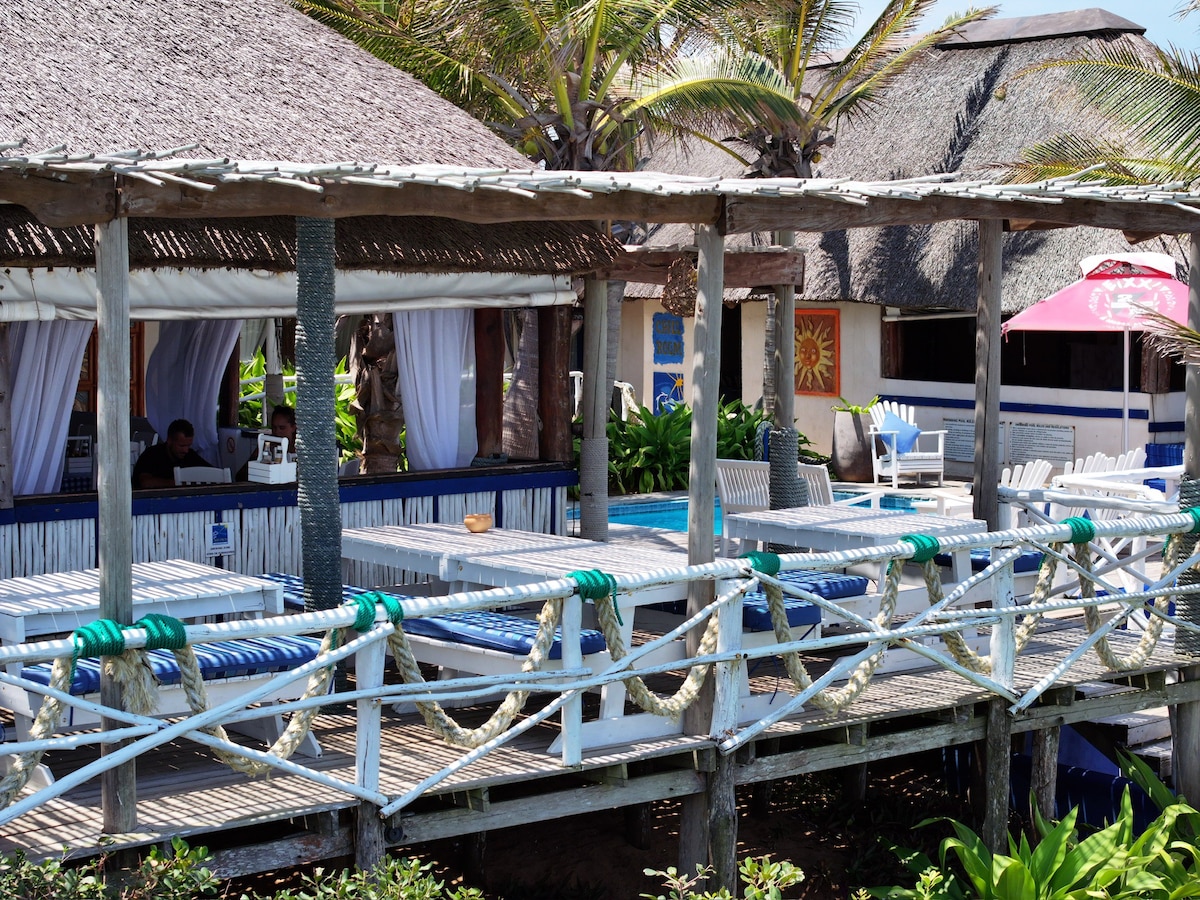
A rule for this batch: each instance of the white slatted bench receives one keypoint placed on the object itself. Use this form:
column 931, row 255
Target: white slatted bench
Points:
column 58, row 603
column 475, row 642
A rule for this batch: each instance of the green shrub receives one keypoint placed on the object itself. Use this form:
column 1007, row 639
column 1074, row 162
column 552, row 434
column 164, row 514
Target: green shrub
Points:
column 1112, row 862
column 762, row 880
column 652, row 453
column 392, row 879
column 179, row 875
column 345, row 424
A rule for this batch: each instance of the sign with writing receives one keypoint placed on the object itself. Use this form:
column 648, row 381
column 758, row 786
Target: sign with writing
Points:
column 667, row 333
column 219, row 539
column 960, row 439
column 1030, row 440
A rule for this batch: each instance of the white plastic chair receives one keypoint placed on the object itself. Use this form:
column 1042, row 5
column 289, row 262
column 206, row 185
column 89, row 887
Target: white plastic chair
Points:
column 1030, row 476
column 201, row 475
column 928, row 456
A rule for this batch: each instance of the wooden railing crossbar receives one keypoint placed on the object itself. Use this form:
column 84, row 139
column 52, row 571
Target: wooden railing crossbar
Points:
column 735, row 578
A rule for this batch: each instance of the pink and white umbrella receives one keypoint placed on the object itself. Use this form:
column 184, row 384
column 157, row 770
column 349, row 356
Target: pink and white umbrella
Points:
column 1113, row 295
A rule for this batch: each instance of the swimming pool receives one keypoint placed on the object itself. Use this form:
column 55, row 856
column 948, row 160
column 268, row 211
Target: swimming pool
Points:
column 672, row 514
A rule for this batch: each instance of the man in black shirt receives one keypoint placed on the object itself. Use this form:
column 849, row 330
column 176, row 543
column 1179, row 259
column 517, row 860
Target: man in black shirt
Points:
column 155, row 468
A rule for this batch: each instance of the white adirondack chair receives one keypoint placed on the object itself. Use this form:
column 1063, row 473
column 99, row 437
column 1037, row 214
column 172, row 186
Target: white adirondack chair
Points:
column 927, row 457
column 1029, row 476
column 745, row 486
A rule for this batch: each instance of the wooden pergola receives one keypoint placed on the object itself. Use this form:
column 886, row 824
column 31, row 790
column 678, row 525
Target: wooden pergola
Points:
column 105, row 193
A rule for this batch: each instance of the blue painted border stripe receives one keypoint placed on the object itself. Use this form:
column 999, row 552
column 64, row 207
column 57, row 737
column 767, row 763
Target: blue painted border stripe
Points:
column 219, row 499
column 1046, row 409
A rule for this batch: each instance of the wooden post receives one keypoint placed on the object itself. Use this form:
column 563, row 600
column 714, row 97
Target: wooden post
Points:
column 998, row 743
column 1044, row 772
column 118, row 786
column 593, row 449
column 6, row 473
column 784, row 356
column 708, row 831
column 489, row 381
column 554, row 383
column 987, row 373
column 1185, row 725
column 369, row 844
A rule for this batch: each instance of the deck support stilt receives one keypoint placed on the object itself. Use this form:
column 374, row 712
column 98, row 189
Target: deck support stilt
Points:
column 638, row 825
column 1185, row 743
column 997, row 765
column 1044, row 777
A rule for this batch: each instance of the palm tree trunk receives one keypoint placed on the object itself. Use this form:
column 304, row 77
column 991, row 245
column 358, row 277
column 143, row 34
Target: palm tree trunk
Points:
column 316, row 443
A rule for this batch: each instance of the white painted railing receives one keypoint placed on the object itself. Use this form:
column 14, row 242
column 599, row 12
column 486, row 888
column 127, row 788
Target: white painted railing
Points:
column 990, row 604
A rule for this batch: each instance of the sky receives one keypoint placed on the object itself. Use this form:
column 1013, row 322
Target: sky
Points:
column 1156, row 15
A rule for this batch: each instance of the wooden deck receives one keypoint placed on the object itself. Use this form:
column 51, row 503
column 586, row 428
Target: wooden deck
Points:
column 279, row 820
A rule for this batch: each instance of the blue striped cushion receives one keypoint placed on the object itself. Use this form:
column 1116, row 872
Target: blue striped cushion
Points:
column 496, row 631
column 756, row 614
column 1028, row 561
column 293, row 589
column 221, row 659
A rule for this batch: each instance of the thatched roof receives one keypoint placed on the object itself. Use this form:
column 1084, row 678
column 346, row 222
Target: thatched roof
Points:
column 960, row 109
column 268, row 243
column 251, row 81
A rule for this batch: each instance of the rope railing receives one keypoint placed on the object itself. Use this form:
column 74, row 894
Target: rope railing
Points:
column 374, row 617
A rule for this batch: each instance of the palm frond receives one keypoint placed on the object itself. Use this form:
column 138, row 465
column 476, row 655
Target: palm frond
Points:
column 1164, row 335
column 1156, row 100
column 746, row 89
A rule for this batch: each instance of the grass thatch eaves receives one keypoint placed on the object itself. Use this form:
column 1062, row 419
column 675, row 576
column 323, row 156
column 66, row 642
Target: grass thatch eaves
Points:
column 250, row 81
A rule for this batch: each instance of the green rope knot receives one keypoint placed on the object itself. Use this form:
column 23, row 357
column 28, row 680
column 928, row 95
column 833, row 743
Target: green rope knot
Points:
column 100, row 638
column 1194, row 512
column 1082, row 530
column 364, row 617
column 925, row 546
column 391, row 605
column 767, row 563
column 596, row 585
column 162, row 632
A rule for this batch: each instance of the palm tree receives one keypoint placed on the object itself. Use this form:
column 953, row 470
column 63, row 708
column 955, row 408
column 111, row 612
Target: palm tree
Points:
column 574, row 84
column 800, row 40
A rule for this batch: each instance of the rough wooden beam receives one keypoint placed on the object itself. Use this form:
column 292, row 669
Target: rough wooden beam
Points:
column 340, row 200
column 747, row 267
column 822, row 214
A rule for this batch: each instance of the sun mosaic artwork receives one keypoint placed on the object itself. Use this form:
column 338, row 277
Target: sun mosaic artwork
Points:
column 817, row 352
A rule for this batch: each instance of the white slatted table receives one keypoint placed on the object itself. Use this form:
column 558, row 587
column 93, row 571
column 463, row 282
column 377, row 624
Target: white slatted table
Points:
column 848, row 528
column 60, row 602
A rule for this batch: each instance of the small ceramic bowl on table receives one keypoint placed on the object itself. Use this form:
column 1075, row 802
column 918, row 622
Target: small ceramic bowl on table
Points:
column 477, row 523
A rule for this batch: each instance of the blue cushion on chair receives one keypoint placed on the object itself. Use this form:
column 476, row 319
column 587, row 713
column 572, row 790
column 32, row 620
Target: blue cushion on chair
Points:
column 293, row 589
column 1028, row 561
column 906, row 433
column 221, row 659
column 496, row 631
column 756, row 613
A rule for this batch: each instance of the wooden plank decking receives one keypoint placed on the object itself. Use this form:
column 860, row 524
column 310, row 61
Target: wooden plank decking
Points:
column 183, row 791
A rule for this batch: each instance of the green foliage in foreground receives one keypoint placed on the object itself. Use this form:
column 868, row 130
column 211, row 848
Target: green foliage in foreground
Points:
column 1113, row 862
column 650, row 453
column 182, row 875
column 761, row 878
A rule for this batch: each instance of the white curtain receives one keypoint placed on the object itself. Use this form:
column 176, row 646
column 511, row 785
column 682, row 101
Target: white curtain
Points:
column 44, row 363
column 183, row 378
column 435, row 354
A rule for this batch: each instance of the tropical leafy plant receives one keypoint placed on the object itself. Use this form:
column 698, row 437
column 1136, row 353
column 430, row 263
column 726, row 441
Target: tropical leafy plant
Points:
column 651, row 454
column 843, row 405
column 737, row 430
column 762, row 880
column 345, row 425
column 1112, row 862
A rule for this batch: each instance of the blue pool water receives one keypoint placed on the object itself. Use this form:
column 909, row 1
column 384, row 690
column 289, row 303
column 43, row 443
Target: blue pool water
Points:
column 672, row 514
